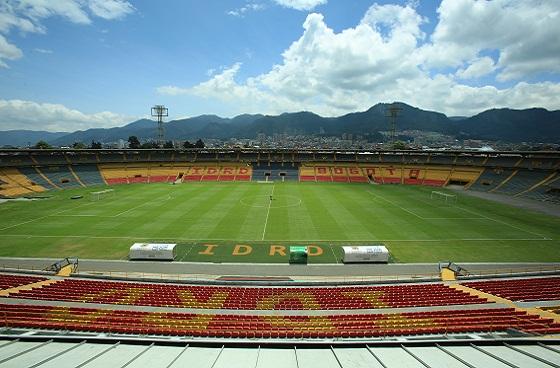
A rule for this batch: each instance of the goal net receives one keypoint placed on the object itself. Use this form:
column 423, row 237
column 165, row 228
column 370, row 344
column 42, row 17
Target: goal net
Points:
column 445, row 198
column 102, row 194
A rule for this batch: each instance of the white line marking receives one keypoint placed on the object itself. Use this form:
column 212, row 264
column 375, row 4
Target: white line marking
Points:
column 42, row 217
column 504, row 223
column 394, row 204
column 186, row 254
column 334, row 255
column 133, row 208
column 200, row 239
column 268, row 211
column 80, row 216
column 421, row 217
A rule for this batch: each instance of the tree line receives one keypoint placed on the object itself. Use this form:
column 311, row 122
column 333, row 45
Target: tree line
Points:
column 133, row 143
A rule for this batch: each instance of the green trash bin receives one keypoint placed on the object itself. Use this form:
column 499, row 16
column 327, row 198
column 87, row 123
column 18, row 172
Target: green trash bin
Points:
column 298, row 254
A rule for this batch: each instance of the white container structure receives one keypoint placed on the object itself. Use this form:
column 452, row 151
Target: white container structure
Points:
column 365, row 254
column 152, row 251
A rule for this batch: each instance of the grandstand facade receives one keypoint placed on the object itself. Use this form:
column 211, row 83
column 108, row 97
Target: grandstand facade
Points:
column 527, row 174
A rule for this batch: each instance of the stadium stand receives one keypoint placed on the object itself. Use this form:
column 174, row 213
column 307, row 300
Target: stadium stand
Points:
column 391, row 175
column 114, row 173
column 549, row 191
column 345, row 157
column 491, row 178
column 415, row 159
column 436, row 176
column 441, row 159
column 523, row 180
column 323, row 173
column 89, row 174
column 183, row 157
column 61, row 176
column 11, row 281
column 49, row 158
column 392, row 158
column 554, row 309
column 228, row 156
column 13, row 183
column 357, row 175
column 161, row 156
column 340, row 174
column 503, row 161
column 81, row 157
column 108, row 157
column 214, row 172
column 532, row 175
column 374, row 158
column 15, row 158
column 137, row 172
column 138, row 156
column 263, row 326
column 206, row 156
column 464, row 175
column 544, row 288
column 247, row 298
column 465, row 159
column 307, row 173
column 162, row 172
column 275, row 172
column 37, row 177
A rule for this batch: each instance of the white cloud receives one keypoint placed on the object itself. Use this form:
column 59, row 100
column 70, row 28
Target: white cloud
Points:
column 110, row 9
column 300, row 4
column 43, row 51
column 524, row 33
column 381, row 59
column 18, row 114
column 39, row 9
column 27, row 15
column 8, row 51
column 477, row 68
column 241, row 11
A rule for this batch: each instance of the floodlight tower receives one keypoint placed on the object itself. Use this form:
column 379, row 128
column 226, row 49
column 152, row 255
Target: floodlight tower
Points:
column 392, row 112
column 160, row 112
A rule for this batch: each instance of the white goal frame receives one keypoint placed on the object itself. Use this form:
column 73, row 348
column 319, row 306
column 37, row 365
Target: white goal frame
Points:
column 102, row 194
column 445, row 197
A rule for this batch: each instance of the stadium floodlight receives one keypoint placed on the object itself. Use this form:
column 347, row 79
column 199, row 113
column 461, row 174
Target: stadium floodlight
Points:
column 160, row 112
column 392, row 112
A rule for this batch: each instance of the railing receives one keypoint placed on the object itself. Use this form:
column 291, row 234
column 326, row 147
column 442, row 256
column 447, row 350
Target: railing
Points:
column 405, row 277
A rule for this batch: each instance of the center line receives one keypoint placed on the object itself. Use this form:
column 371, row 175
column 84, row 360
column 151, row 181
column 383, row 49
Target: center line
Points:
column 268, row 211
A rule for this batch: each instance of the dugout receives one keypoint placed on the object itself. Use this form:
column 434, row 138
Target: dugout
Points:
column 365, row 254
column 152, row 251
column 298, row 254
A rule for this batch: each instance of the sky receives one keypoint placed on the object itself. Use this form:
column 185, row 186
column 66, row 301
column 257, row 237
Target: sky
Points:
column 70, row 65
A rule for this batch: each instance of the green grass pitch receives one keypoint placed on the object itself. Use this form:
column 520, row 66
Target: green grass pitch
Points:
column 237, row 222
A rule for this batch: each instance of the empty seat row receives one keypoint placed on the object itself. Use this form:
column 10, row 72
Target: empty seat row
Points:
column 11, row 281
column 251, row 326
column 542, row 288
column 251, row 298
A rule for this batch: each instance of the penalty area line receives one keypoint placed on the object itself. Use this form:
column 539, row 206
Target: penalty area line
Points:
column 505, row 223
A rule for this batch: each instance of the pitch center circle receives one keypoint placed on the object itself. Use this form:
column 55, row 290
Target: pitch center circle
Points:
column 277, row 201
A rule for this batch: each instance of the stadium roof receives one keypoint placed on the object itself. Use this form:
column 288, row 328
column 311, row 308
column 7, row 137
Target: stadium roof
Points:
column 76, row 351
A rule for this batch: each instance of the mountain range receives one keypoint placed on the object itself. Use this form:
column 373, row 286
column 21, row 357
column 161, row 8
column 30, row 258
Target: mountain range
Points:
column 529, row 125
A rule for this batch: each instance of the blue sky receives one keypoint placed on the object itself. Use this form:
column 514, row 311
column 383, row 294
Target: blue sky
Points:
column 75, row 64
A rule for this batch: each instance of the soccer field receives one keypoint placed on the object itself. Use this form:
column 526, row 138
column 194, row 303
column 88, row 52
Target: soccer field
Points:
column 238, row 222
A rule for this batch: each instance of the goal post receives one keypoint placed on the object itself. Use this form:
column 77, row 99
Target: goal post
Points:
column 446, row 198
column 102, row 194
